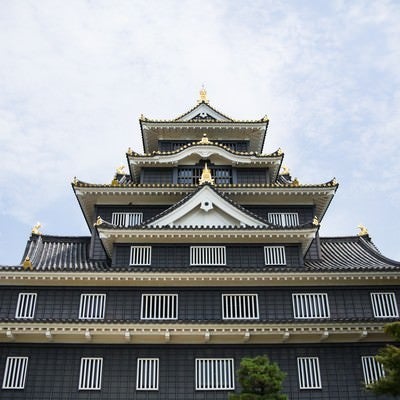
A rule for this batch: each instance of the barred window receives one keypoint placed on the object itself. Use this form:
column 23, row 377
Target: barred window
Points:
column 92, row 306
column 240, row 306
column 140, row 255
column 274, row 255
column 26, row 305
column 284, row 219
column 207, row 255
column 147, row 374
column 215, row 374
column 309, row 373
column 310, row 305
column 159, row 306
column 90, row 373
column 372, row 369
column 15, row 373
column 384, row 305
column 126, row 219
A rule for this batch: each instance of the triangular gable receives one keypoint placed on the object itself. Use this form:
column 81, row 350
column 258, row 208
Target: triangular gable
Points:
column 203, row 111
column 206, row 208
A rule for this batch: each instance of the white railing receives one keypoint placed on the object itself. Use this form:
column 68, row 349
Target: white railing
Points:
column 126, row 219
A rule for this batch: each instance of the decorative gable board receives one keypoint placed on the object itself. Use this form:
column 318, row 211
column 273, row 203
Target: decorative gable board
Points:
column 207, row 208
column 203, row 111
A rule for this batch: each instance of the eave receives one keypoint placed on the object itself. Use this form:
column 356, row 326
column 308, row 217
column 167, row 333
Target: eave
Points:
column 109, row 237
column 170, row 332
column 135, row 278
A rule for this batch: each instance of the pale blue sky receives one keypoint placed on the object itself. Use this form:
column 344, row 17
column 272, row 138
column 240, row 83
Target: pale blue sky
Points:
column 75, row 76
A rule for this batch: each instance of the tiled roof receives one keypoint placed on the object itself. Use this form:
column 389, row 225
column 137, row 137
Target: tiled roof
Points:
column 355, row 253
column 59, row 253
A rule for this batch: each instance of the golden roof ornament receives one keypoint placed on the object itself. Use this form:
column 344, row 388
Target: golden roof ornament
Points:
column 99, row 221
column 27, row 264
column 295, row 182
column 75, row 180
column 206, row 176
column 315, row 221
column 279, row 151
column 120, row 170
column 204, row 139
column 129, row 152
column 35, row 229
column 203, row 96
column 285, row 170
column 363, row 230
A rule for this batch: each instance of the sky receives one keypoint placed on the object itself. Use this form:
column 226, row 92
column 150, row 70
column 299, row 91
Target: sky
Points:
column 75, row 77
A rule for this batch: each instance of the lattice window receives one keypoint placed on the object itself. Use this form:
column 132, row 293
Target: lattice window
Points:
column 384, row 305
column 275, row 255
column 92, row 306
column 284, row 219
column 140, row 255
column 215, row 374
column 159, row 306
column 240, row 306
column 207, row 255
column 126, row 219
column 372, row 369
column 309, row 373
column 147, row 374
column 26, row 305
column 90, row 373
column 310, row 305
column 15, row 373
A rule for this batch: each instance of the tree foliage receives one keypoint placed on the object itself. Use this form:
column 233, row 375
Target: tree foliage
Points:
column 260, row 379
column 389, row 357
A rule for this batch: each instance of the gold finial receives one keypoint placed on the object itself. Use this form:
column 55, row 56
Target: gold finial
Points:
column 120, row 170
column 75, row 180
column 204, row 139
column 27, row 264
column 285, row 170
column 206, row 176
column 279, row 151
column 295, row 182
column 35, row 229
column 334, row 182
column 363, row 230
column 129, row 152
column 99, row 221
column 203, row 96
column 315, row 221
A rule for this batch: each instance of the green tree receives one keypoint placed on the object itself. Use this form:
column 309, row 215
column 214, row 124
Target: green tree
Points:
column 389, row 357
column 260, row 379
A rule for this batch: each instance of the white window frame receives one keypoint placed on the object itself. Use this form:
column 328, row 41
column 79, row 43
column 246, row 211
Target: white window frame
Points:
column 215, row 374
column 274, row 255
column 126, row 219
column 284, row 219
column 207, row 255
column 92, row 306
column 384, row 305
column 147, row 373
column 310, row 305
column 372, row 369
column 15, row 373
column 140, row 255
column 240, row 306
column 90, row 373
column 26, row 306
column 309, row 373
column 159, row 306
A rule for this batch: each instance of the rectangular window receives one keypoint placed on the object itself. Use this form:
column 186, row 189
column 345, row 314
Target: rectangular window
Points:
column 140, row 255
column 372, row 369
column 215, row 374
column 274, row 255
column 26, row 305
column 92, row 306
column 147, row 374
column 90, row 373
column 384, row 305
column 284, row 219
column 207, row 255
column 15, row 373
column 310, row 305
column 159, row 306
column 240, row 306
column 126, row 219
column 309, row 373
